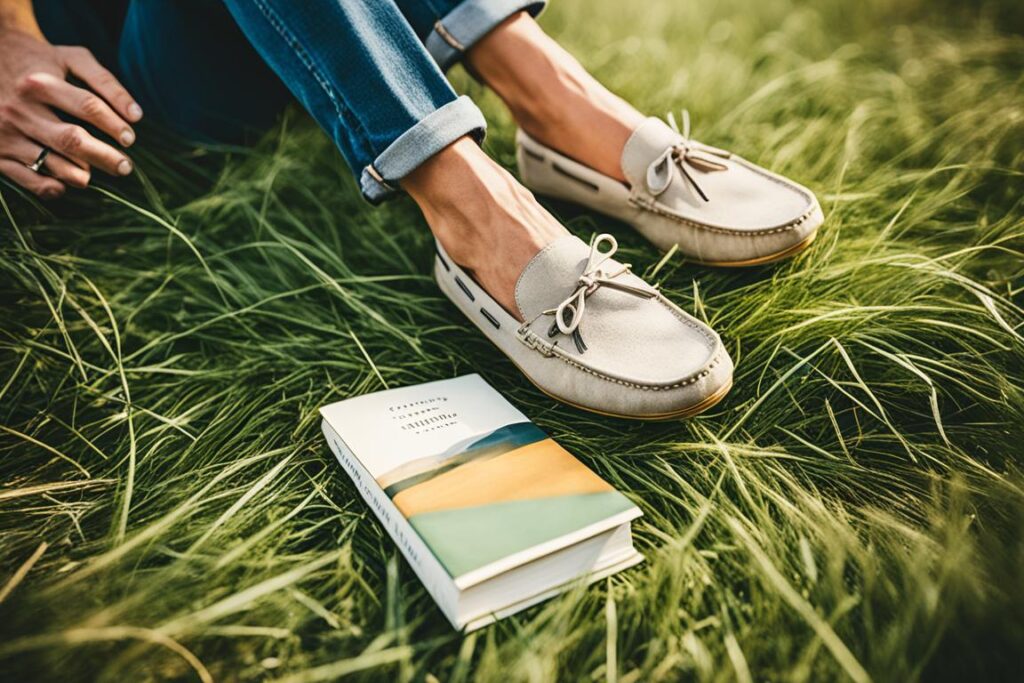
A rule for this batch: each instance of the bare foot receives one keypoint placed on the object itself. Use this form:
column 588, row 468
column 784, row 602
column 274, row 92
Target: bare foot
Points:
column 487, row 222
column 552, row 97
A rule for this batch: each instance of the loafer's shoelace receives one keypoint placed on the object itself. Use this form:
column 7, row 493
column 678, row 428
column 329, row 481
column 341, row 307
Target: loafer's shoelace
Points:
column 569, row 313
column 696, row 154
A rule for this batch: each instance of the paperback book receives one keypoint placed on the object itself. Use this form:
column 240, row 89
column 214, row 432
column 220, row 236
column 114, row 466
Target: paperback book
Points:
column 491, row 513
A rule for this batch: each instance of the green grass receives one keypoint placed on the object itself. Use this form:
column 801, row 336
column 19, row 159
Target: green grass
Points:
column 853, row 510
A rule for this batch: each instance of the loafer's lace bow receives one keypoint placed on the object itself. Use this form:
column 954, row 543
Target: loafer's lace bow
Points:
column 698, row 155
column 569, row 313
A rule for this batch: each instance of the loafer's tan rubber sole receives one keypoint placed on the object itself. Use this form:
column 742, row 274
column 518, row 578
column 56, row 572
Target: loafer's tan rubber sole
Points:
column 761, row 260
column 689, row 411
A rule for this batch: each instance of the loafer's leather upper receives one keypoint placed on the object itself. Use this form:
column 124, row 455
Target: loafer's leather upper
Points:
column 717, row 207
column 622, row 348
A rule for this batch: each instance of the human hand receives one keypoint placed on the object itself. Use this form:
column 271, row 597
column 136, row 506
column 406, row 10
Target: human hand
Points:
column 33, row 84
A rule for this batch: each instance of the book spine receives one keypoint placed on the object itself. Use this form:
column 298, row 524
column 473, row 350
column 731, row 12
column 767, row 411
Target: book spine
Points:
column 427, row 567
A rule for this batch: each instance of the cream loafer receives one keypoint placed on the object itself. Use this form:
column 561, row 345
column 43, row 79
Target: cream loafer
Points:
column 717, row 207
column 596, row 336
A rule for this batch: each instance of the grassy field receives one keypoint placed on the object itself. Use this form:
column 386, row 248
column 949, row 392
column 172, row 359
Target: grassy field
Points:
column 853, row 510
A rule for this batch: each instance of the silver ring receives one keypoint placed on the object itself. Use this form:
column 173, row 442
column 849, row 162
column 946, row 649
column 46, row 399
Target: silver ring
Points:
column 37, row 165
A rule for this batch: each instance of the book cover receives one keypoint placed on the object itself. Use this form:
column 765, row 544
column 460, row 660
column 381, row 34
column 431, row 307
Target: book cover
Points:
column 483, row 487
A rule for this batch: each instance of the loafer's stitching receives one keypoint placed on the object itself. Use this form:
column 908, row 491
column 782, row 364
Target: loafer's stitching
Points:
column 655, row 207
column 532, row 340
column 554, row 351
column 686, row 320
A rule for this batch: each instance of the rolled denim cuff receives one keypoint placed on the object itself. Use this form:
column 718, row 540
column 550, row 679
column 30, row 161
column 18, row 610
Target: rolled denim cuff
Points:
column 428, row 137
column 470, row 21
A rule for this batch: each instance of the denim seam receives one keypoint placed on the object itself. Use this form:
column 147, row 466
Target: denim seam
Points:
column 341, row 109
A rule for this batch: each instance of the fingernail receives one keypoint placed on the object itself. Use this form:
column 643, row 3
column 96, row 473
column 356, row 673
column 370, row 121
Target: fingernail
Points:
column 125, row 167
column 135, row 111
column 127, row 138
column 51, row 193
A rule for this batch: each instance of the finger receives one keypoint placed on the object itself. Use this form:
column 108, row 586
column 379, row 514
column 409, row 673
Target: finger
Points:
column 81, row 63
column 43, row 186
column 26, row 152
column 73, row 142
column 80, row 103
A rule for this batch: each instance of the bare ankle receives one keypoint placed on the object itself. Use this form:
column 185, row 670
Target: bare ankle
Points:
column 461, row 193
column 552, row 97
column 486, row 221
column 446, row 177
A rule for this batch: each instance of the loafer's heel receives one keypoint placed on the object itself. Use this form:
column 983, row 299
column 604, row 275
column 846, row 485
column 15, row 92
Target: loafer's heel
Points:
column 470, row 298
column 533, row 169
column 446, row 282
column 553, row 175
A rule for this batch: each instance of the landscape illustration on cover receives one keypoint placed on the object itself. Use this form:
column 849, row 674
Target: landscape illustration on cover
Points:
column 496, row 494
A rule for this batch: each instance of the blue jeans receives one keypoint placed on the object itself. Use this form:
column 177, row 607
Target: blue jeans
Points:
column 369, row 71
